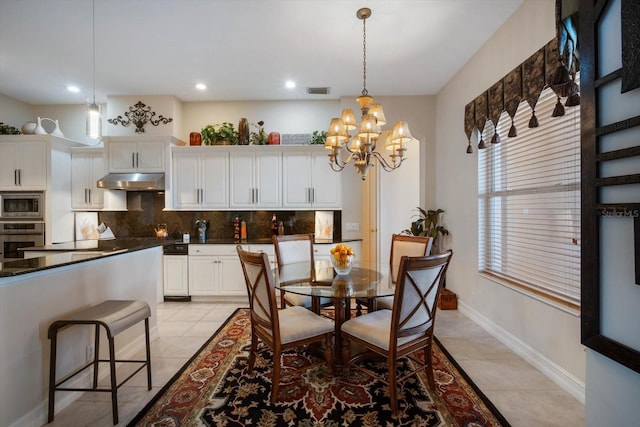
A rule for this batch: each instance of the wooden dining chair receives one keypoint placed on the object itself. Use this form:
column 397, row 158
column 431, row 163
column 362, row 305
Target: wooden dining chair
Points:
column 401, row 245
column 404, row 331
column 279, row 329
column 297, row 248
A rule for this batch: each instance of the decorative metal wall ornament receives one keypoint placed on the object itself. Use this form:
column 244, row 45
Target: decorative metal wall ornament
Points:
column 140, row 114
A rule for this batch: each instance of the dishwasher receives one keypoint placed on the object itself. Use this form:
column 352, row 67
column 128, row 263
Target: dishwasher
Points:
column 176, row 272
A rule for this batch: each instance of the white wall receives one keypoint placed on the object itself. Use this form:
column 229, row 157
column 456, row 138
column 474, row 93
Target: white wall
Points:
column 15, row 113
column 546, row 336
column 278, row 116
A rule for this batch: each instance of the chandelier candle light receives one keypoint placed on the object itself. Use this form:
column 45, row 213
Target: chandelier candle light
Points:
column 362, row 148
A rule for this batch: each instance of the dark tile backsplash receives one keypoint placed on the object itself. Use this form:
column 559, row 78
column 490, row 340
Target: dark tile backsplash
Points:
column 146, row 212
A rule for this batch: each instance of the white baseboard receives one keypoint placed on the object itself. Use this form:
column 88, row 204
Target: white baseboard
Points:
column 38, row 416
column 556, row 373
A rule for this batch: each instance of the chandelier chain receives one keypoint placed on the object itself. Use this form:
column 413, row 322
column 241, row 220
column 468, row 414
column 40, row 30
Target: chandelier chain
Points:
column 93, row 45
column 364, row 57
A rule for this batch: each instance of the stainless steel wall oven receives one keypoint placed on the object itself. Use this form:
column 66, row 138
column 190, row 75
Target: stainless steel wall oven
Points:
column 16, row 235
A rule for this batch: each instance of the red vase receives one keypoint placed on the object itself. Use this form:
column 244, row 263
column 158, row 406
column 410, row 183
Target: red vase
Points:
column 195, row 138
column 274, row 138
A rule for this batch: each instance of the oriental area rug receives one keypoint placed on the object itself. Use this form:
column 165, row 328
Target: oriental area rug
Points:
column 214, row 389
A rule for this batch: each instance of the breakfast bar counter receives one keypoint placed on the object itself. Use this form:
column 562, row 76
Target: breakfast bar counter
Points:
column 60, row 254
column 56, row 286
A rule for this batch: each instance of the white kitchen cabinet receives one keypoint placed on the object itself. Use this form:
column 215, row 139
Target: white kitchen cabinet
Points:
column 87, row 167
column 215, row 270
column 309, row 181
column 176, row 275
column 23, row 166
column 41, row 163
column 136, row 156
column 199, row 178
column 255, row 179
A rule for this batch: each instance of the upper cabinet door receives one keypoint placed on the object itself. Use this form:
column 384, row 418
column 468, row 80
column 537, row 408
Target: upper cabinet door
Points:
column 200, row 179
column 86, row 168
column 143, row 156
column 242, row 170
column 296, row 185
column 268, row 180
column 151, row 156
column 23, row 165
column 255, row 179
column 185, row 184
column 215, row 180
column 327, row 184
column 309, row 182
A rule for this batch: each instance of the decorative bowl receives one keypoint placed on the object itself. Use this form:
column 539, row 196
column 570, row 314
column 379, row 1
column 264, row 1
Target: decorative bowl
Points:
column 342, row 265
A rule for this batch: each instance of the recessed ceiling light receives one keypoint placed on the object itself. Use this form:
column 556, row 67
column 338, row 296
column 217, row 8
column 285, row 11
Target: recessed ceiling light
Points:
column 201, row 86
column 290, row 84
column 72, row 88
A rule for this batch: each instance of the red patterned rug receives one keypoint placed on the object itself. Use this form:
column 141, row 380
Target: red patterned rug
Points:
column 214, row 389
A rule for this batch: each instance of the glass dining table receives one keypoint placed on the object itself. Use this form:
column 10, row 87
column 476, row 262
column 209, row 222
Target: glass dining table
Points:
column 361, row 283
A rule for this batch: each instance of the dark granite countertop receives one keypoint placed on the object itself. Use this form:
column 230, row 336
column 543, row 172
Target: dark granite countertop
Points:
column 261, row 241
column 74, row 252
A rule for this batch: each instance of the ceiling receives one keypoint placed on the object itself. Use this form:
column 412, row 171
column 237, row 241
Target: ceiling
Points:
column 241, row 49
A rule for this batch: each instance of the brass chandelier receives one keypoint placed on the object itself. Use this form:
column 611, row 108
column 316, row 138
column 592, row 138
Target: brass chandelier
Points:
column 361, row 150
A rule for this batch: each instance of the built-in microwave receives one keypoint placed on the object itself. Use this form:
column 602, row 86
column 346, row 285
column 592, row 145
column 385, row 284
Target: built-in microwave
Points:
column 21, row 206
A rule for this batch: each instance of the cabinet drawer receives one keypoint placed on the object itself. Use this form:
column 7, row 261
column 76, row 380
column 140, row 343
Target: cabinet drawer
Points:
column 195, row 249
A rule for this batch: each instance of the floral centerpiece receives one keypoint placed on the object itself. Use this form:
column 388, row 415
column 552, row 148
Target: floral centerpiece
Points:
column 342, row 258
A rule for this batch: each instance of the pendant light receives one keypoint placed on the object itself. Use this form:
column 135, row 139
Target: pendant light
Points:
column 94, row 118
column 362, row 149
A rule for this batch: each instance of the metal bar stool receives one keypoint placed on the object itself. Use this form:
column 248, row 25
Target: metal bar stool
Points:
column 115, row 317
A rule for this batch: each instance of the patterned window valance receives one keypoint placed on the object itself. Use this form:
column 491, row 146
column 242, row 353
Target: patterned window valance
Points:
column 555, row 65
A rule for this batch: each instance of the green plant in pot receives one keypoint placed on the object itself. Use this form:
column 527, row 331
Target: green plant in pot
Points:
column 318, row 137
column 220, row 134
column 428, row 223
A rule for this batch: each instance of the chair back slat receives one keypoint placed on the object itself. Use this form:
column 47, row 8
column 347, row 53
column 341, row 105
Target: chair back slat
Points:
column 406, row 245
column 419, row 282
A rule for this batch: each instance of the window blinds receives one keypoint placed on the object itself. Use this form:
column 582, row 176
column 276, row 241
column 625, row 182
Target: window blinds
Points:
column 529, row 203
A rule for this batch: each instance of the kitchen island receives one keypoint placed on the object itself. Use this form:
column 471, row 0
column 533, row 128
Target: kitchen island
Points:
column 32, row 297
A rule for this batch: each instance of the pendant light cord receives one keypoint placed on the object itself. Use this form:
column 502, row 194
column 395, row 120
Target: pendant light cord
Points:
column 93, row 42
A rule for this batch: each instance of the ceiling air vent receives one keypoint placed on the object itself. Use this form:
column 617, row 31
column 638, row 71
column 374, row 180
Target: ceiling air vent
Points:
column 318, row 90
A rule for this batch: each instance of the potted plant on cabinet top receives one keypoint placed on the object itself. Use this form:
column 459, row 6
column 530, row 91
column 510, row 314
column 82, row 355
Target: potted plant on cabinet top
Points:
column 318, row 137
column 220, row 134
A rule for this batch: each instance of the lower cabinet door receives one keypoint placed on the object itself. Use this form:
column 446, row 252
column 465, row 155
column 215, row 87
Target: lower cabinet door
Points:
column 231, row 276
column 176, row 275
column 203, row 275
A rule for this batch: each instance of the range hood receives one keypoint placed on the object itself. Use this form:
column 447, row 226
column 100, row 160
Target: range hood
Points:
column 132, row 181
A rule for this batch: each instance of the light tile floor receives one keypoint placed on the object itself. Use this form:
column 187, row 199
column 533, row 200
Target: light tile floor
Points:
column 522, row 394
